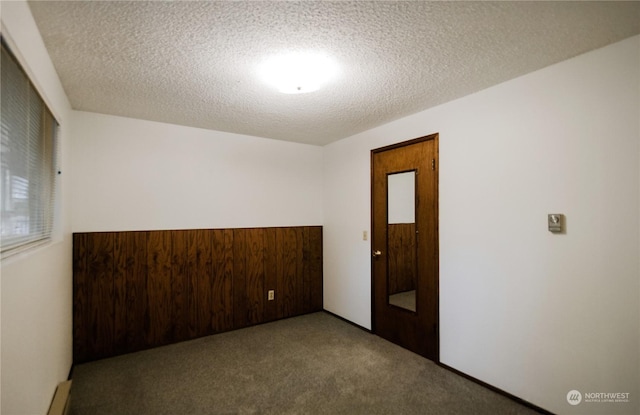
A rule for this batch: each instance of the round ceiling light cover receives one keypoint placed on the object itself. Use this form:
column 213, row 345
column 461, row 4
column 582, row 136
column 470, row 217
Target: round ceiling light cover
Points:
column 298, row 72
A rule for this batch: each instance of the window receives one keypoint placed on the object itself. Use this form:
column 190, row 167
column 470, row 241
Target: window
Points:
column 27, row 160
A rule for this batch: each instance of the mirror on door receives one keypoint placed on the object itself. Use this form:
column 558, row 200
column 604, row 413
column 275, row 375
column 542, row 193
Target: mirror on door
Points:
column 401, row 239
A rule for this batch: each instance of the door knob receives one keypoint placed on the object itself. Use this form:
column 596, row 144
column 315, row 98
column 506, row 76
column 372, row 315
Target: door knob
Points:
column 376, row 254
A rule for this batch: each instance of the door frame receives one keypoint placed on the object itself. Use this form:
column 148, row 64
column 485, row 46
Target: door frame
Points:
column 435, row 137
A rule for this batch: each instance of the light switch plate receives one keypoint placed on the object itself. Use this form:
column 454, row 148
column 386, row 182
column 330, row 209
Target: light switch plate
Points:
column 555, row 222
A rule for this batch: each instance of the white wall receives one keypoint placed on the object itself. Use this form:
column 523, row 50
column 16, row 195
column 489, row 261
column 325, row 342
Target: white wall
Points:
column 36, row 285
column 140, row 175
column 533, row 313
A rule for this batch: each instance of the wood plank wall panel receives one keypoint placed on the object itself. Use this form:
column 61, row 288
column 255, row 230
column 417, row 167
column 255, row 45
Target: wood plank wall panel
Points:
column 222, row 288
column 298, row 277
column 80, row 296
column 271, row 253
column 316, row 268
column 239, row 279
column 136, row 293
column 204, row 274
column 179, row 284
column 101, row 295
column 142, row 289
column 254, row 283
column 159, row 290
column 312, row 266
column 191, row 289
column 120, row 295
column 286, row 285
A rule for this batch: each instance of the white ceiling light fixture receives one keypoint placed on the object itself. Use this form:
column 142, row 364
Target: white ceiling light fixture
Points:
column 298, row 72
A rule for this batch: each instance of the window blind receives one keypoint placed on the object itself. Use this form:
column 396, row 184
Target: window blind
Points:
column 27, row 160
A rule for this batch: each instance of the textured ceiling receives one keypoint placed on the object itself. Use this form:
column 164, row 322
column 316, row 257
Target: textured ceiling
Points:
column 194, row 63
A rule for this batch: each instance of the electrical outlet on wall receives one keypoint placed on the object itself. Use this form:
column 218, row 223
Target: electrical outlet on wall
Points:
column 271, row 295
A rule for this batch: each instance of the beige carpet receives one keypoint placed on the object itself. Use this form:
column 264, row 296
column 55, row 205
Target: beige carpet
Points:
column 313, row 364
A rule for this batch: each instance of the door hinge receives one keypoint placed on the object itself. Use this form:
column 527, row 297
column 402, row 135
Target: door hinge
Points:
column 433, row 164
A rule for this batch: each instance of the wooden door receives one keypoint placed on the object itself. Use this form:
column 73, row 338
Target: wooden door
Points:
column 405, row 244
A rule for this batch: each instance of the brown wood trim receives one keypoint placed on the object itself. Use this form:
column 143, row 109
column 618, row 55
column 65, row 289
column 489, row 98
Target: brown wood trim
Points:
column 371, row 259
column 496, row 389
column 135, row 290
column 406, row 143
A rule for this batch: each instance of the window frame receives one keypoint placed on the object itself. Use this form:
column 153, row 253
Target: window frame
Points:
column 49, row 159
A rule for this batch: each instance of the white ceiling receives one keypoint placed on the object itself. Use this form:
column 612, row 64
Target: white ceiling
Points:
column 194, row 63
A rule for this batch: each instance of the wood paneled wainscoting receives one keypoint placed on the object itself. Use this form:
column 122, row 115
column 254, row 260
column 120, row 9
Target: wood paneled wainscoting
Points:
column 141, row 289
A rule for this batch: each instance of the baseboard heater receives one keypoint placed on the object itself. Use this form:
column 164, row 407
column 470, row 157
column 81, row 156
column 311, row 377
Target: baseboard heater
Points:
column 61, row 399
